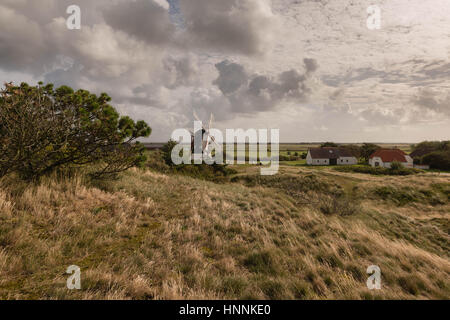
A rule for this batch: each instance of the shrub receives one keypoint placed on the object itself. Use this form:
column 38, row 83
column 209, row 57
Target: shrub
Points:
column 291, row 185
column 43, row 129
column 395, row 165
column 329, row 144
column 167, row 152
column 261, row 262
column 338, row 205
column 406, row 195
column 378, row 170
column 437, row 160
column 273, row 289
column 214, row 172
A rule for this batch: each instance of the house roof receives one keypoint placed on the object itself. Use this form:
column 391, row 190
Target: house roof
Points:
column 329, row 153
column 420, row 152
column 390, row 155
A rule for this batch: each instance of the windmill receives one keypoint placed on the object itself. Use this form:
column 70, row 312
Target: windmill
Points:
column 204, row 135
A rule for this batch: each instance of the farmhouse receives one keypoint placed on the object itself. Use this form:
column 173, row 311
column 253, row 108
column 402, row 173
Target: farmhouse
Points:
column 330, row 156
column 385, row 157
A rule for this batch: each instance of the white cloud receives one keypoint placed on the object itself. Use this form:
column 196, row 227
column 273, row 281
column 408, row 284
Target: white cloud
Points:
column 245, row 61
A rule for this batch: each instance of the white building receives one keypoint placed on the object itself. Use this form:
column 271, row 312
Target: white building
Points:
column 385, row 157
column 330, row 156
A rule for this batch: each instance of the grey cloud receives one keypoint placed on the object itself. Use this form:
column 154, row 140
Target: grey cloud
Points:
column 430, row 100
column 337, row 94
column 22, row 42
column 376, row 117
column 180, row 71
column 311, row 65
column 72, row 76
column 290, row 84
column 255, row 93
column 143, row 19
column 415, row 73
column 238, row 26
column 231, row 77
column 352, row 76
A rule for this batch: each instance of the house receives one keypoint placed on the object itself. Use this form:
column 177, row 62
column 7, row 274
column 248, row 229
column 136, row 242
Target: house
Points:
column 420, row 152
column 330, row 156
column 385, row 157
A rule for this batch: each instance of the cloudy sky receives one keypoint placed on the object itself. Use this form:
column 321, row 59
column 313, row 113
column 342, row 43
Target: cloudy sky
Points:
column 311, row 68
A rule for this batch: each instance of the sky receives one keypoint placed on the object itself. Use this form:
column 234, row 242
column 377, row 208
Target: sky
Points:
column 311, row 68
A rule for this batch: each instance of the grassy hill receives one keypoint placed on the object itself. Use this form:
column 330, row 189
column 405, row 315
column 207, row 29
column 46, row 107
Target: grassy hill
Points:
column 302, row 234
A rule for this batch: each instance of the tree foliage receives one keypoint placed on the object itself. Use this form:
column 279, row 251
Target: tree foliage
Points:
column 167, row 152
column 367, row 149
column 395, row 165
column 436, row 154
column 431, row 146
column 437, row 160
column 329, row 144
column 43, row 129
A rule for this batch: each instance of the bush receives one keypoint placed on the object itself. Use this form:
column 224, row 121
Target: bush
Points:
column 214, row 172
column 395, row 165
column 437, row 160
column 407, row 195
column 42, row 130
column 261, row 262
column 339, row 205
column 167, row 152
column 329, row 144
column 402, row 171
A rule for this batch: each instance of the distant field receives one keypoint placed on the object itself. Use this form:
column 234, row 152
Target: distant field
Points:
column 303, row 147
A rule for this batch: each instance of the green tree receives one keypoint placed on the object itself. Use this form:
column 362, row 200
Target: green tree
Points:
column 367, row 149
column 167, row 152
column 43, row 129
column 354, row 149
column 437, row 160
column 329, row 144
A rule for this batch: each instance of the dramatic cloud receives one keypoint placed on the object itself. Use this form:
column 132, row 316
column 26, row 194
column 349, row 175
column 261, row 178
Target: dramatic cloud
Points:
column 255, row 93
column 143, row 19
column 253, row 63
column 231, row 77
column 232, row 26
column 433, row 101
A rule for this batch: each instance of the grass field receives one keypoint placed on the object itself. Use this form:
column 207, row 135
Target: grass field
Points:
column 302, row 234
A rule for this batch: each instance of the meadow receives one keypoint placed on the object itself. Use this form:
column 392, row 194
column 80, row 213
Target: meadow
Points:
column 302, row 234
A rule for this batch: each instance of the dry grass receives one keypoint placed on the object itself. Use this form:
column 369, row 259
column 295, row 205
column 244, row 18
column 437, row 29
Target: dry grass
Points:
column 152, row 236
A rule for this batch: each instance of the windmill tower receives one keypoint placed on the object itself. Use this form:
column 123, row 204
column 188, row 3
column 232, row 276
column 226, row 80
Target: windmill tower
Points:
column 203, row 135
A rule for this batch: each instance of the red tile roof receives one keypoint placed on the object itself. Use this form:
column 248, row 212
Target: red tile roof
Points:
column 390, row 155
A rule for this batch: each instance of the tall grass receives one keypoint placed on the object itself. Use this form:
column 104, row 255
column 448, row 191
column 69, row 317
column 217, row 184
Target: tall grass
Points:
column 150, row 235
